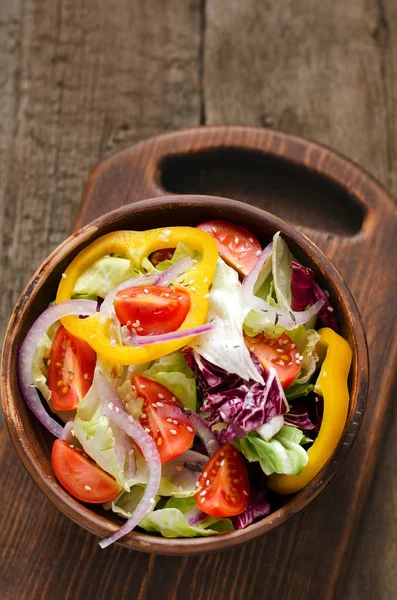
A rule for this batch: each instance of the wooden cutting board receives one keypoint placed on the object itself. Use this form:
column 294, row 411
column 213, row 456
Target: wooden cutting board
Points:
column 354, row 221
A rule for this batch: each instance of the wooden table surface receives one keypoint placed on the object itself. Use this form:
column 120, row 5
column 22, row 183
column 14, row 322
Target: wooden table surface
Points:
column 80, row 80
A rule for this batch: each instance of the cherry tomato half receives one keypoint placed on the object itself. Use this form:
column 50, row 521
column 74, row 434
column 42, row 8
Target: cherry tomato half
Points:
column 70, row 371
column 82, row 478
column 224, row 489
column 152, row 310
column 236, row 245
column 279, row 353
column 173, row 436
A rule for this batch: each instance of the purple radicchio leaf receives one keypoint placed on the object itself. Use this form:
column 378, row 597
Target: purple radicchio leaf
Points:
column 306, row 414
column 242, row 405
column 306, row 291
column 258, row 505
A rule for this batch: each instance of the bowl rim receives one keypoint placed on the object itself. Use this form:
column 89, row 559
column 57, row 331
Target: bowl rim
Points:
column 102, row 526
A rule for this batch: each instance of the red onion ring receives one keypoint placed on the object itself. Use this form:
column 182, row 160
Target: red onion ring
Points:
column 194, row 516
column 28, row 348
column 288, row 319
column 112, row 409
column 144, row 340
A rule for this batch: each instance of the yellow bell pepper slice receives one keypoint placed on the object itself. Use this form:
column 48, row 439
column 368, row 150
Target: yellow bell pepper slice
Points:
column 332, row 385
column 137, row 245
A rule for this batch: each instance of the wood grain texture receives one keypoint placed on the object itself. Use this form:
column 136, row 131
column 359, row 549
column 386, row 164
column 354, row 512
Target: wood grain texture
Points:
column 81, row 80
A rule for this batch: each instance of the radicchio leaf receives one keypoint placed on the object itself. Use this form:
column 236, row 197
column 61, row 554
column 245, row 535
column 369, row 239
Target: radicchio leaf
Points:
column 306, row 291
column 258, row 505
column 306, row 414
column 242, row 405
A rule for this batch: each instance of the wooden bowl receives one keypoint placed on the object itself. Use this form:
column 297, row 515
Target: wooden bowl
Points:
column 33, row 443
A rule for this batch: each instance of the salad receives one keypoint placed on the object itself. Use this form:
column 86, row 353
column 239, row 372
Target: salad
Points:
column 190, row 377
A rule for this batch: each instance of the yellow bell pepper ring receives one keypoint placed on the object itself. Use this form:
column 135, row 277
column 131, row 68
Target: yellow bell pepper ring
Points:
column 137, row 245
column 332, row 385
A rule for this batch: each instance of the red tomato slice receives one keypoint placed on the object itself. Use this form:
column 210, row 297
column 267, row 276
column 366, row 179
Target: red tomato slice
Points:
column 82, row 478
column 224, row 489
column 172, row 435
column 236, row 245
column 70, row 371
column 279, row 353
column 152, row 310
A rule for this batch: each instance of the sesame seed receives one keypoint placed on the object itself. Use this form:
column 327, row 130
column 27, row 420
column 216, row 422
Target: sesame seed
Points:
column 197, row 484
column 71, row 446
column 117, row 409
column 206, row 296
column 236, row 240
column 205, row 280
column 258, row 252
column 245, row 493
column 301, row 357
column 137, row 322
column 110, row 406
column 173, row 399
column 330, row 309
column 292, row 345
column 85, row 375
column 297, row 355
column 159, row 441
column 128, row 323
column 140, row 329
column 142, row 387
column 236, row 480
column 205, row 474
column 92, row 336
column 48, row 362
column 189, row 428
column 222, row 463
column 143, row 415
column 251, row 240
column 193, row 289
column 167, row 295
column 113, row 343
column 152, row 500
column 175, row 422
column 64, row 275
column 222, row 453
column 131, row 418
column 207, row 482
column 147, row 429
column 191, row 281
column 279, row 350
column 173, row 431
column 87, row 487
column 203, row 493
column 202, row 500
column 169, row 420
column 146, row 291
column 160, row 396
column 160, row 404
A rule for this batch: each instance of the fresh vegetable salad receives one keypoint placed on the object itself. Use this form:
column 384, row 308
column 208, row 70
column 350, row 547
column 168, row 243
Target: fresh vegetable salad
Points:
column 189, row 376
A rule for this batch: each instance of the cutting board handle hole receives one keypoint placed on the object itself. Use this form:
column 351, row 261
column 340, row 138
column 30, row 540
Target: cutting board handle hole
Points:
column 291, row 192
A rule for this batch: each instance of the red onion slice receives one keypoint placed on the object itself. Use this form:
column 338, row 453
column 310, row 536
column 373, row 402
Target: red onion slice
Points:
column 288, row 319
column 194, row 516
column 175, row 271
column 143, row 340
column 28, row 348
column 111, row 406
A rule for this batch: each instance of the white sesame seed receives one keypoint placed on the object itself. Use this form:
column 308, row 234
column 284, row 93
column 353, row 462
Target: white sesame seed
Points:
column 152, row 500
column 175, row 422
column 206, row 296
column 191, row 281
column 207, row 482
column 167, row 295
column 85, row 375
column 236, row 240
column 279, row 350
column 146, row 291
column 222, row 463
column 330, row 309
column 202, row 500
column 147, row 429
column 173, row 399
column 160, row 404
column 140, row 329
column 113, row 343
column 142, row 387
column 87, row 487
column 128, row 323
column 131, row 418
column 64, row 275
column 48, row 362
column 251, row 240
column 203, row 493
column 258, row 252
column 189, row 428
column 222, row 453
column 205, row 280
column 205, row 474
column 71, row 446
column 193, row 289
column 137, row 322
column 92, row 336
column 173, row 431
column 169, row 420
column 161, row 396
column 117, row 409
column 143, row 415
column 245, row 493
column 110, row 406
column 301, row 357
column 292, row 345
column 197, row 484
column 297, row 355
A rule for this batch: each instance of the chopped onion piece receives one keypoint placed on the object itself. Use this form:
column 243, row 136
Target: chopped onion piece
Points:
column 194, row 516
column 175, row 271
column 110, row 398
column 28, row 349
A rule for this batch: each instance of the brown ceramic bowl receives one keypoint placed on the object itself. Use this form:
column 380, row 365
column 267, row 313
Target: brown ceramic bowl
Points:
column 33, row 443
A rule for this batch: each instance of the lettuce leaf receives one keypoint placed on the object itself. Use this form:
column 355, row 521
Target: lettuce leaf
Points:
column 282, row 454
column 174, row 373
column 282, row 272
column 224, row 346
column 105, row 274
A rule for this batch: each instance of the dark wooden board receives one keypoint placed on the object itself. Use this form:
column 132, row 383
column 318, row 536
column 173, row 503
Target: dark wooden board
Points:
column 307, row 557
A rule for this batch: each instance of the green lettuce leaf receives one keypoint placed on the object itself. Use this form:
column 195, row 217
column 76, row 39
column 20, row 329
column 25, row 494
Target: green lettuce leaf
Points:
column 173, row 372
column 297, row 390
column 108, row 447
column 282, row 272
column 282, row 454
column 105, row 274
column 40, row 362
